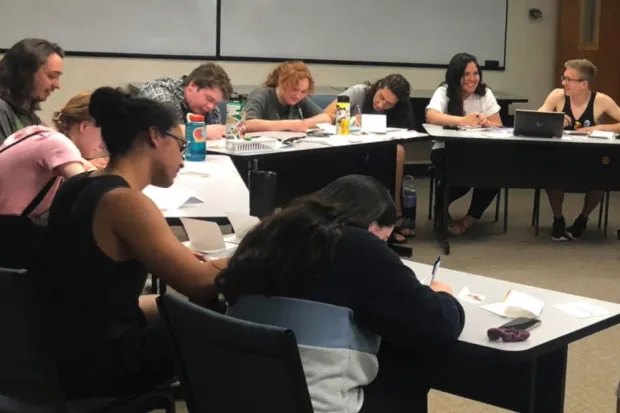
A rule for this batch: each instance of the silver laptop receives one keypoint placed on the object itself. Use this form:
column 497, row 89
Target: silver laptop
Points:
column 534, row 124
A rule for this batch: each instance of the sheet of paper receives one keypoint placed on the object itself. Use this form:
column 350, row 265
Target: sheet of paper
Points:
column 498, row 134
column 602, row 134
column 279, row 135
column 403, row 134
column 327, row 128
column 516, row 304
column 374, row 123
column 228, row 251
column 241, row 225
column 468, row 296
column 173, row 198
column 204, row 236
column 336, row 140
column 581, row 309
column 198, row 169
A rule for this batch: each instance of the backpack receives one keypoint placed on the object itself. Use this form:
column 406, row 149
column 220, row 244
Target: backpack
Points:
column 19, row 235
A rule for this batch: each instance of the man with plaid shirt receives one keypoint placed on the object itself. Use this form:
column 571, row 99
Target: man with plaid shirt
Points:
column 199, row 92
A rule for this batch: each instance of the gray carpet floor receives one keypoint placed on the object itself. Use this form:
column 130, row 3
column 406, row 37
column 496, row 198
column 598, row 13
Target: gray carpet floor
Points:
column 588, row 267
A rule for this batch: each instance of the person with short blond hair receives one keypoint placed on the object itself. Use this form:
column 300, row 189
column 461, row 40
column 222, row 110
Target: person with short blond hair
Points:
column 284, row 103
column 584, row 110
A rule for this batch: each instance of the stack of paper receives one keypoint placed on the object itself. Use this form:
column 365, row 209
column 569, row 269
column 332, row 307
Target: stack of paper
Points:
column 516, row 304
column 205, row 236
column 241, row 224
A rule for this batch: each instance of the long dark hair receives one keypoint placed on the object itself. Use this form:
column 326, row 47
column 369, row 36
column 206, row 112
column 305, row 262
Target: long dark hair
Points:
column 401, row 115
column 17, row 70
column 454, row 74
column 285, row 253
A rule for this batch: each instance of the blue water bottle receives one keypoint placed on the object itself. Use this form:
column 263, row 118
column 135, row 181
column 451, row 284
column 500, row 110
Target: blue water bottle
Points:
column 196, row 136
column 409, row 200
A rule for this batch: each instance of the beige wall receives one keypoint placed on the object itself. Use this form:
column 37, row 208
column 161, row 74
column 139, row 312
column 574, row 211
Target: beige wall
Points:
column 530, row 65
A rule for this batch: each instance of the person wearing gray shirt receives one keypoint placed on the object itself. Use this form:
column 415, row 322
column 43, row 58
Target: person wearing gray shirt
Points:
column 30, row 72
column 388, row 96
column 283, row 103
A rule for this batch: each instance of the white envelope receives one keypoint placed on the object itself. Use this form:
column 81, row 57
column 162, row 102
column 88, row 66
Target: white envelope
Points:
column 241, row 224
column 204, row 236
column 374, row 123
column 516, row 304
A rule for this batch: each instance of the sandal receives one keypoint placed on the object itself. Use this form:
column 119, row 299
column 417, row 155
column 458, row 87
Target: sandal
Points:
column 397, row 237
column 405, row 228
column 457, row 228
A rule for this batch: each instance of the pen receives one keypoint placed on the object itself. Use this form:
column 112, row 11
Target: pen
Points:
column 435, row 269
column 301, row 114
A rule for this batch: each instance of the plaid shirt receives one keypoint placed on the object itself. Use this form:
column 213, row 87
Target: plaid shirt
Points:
column 169, row 91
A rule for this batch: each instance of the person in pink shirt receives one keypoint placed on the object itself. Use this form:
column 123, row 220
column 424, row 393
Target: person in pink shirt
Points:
column 34, row 156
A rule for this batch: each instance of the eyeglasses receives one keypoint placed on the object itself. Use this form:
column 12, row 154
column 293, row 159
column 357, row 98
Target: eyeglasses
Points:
column 183, row 144
column 385, row 102
column 568, row 79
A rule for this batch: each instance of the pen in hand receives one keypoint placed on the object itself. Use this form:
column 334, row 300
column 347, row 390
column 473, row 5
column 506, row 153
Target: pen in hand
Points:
column 435, row 269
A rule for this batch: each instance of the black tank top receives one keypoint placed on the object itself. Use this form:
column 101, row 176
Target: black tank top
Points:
column 586, row 119
column 90, row 300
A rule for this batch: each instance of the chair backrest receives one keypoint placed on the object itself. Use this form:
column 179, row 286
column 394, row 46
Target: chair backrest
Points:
column 230, row 365
column 27, row 372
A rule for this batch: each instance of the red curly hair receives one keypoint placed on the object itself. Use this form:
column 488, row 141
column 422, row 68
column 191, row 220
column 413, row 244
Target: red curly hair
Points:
column 290, row 73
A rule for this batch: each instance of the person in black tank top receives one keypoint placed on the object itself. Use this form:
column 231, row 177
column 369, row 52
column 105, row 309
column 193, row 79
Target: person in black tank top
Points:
column 586, row 119
column 576, row 92
column 103, row 238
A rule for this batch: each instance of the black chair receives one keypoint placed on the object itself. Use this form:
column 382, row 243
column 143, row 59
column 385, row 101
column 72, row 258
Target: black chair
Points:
column 234, row 366
column 432, row 195
column 28, row 376
column 603, row 211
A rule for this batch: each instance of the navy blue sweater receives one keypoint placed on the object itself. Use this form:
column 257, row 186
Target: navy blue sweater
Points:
column 384, row 294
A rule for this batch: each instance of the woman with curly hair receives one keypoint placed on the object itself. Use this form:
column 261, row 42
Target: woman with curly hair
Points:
column 389, row 96
column 284, row 103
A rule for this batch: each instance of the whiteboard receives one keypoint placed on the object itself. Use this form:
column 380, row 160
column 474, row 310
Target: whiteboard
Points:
column 387, row 31
column 156, row 27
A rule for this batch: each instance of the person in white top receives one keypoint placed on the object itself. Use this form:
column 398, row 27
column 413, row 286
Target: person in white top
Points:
column 462, row 100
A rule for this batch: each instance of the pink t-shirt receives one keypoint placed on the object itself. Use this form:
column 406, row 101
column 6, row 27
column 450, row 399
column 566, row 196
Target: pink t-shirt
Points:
column 27, row 167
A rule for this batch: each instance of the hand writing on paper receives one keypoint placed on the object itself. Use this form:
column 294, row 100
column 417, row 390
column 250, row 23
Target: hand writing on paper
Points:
column 216, row 131
column 439, row 286
column 471, row 119
column 567, row 121
column 483, row 121
column 297, row 125
column 356, row 121
column 589, row 129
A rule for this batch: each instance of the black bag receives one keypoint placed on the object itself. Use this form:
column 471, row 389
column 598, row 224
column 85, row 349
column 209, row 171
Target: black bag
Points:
column 19, row 235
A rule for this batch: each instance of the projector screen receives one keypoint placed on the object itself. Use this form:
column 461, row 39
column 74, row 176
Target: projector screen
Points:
column 150, row 27
column 423, row 32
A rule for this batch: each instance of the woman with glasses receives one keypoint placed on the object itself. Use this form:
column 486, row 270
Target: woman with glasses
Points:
column 321, row 267
column 103, row 237
column 462, row 100
column 389, row 96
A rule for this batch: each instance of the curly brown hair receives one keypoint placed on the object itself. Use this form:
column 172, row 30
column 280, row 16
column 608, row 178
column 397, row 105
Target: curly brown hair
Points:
column 290, row 73
column 210, row 75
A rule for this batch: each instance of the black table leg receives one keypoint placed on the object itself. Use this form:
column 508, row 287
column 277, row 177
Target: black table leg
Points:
column 442, row 229
column 523, row 386
column 550, row 383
